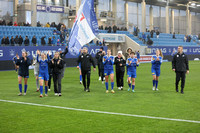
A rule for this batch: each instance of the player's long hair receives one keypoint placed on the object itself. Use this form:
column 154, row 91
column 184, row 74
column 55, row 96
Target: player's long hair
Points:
column 161, row 54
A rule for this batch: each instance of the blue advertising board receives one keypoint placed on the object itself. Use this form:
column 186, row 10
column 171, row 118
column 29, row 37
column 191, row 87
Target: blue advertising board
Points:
column 169, row 50
column 50, row 9
column 7, row 53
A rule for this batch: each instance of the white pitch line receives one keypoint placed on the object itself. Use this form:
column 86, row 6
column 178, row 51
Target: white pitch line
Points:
column 101, row 112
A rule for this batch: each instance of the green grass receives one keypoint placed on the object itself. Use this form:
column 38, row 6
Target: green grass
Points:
column 163, row 103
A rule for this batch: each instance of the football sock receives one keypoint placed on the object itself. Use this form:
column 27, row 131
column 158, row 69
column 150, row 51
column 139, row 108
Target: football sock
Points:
column 41, row 90
column 106, row 83
column 129, row 85
column 25, row 88
column 133, row 87
column 112, row 85
column 46, row 90
column 80, row 77
column 37, row 83
column 156, row 83
column 20, row 88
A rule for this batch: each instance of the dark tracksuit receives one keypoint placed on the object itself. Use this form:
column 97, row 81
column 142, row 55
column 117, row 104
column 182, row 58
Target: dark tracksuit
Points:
column 181, row 65
column 120, row 71
column 86, row 60
column 23, row 66
column 56, row 71
column 101, row 66
column 50, row 72
column 62, row 55
column 97, row 56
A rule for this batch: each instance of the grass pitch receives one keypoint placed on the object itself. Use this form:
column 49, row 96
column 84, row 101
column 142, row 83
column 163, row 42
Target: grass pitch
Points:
column 163, row 103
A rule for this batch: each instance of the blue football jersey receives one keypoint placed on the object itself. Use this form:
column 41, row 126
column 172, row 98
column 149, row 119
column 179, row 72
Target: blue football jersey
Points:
column 108, row 62
column 43, row 64
column 131, row 64
column 156, row 63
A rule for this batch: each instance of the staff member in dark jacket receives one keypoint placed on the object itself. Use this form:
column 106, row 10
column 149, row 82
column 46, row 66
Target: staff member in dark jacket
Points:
column 120, row 64
column 50, row 73
column 97, row 56
column 23, row 62
column 86, row 59
column 20, row 41
column 26, row 41
column 62, row 55
column 102, row 66
column 57, row 64
column 181, row 66
column 12, row 42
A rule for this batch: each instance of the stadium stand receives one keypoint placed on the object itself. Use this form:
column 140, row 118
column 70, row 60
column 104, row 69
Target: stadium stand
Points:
column 39, row 32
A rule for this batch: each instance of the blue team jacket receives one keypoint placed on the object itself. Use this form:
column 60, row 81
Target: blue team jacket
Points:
column 23, row 66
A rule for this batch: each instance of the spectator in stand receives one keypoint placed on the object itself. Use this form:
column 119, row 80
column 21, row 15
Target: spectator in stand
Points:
column 125, row 29
column 49, row 41
column 15, row 24
column 58, row 26
column 47, row 25
column 174, row 36
column 10, row 23
column 3, row 22
column 114, row 28
column 188, row 38
column 185, row 38
column 157, row 33
column 34, row 41
column 53, row 24
column 3, row 41
column 109, row 29
column 199, row 37
column 106, row 28
column 43, row 42
column 151, row 33
column 100, row 43
column 38, row 24
column 53, row 41
column 12, row 42
column 20, row 41
column 16, row 40
column 7, row 42
column 27, row 24
column 149, row 41
column 26, row 41
column 62, row 37
column 143, row 38
column 101, row 27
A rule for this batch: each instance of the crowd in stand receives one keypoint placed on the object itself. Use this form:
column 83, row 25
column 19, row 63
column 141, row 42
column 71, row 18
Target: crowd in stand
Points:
column 113, row 28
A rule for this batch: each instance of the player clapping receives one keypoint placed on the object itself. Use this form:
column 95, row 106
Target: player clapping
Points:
column 23, row 62
column 156, row 62
column 108, row 61
column 132, row 64
column 43, row 71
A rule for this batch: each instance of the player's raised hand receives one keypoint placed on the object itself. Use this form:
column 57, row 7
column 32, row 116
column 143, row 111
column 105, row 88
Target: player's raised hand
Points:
column 52, row 61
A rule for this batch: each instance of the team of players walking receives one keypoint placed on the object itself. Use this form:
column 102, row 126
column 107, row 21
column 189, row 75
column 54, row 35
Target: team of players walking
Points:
column 47, row 67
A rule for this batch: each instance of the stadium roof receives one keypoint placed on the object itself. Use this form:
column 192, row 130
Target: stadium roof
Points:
column 175, row 4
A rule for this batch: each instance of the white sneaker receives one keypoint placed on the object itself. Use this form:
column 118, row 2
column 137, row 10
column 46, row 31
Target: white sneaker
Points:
column 59, row 94
column 99, row 78
column 156, row 89
column 49, row 89
column 104, row 79
column 80, row 82
column 153, row 88
column 119, row 88
column 56, row 94
column 24, row 94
